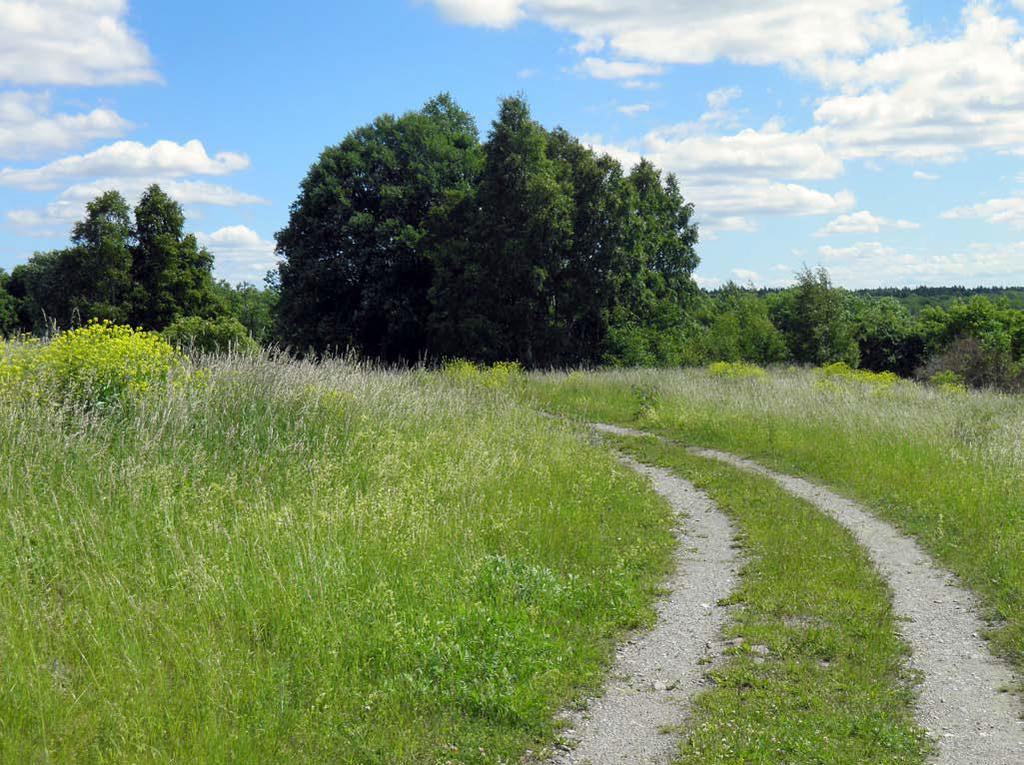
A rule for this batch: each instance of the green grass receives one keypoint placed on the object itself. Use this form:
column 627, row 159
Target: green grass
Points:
column 819, row 676
column 944, row 467
column 309, row 564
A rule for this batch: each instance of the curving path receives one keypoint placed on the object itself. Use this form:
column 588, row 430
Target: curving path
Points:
column 657, row 672
column 963, row 702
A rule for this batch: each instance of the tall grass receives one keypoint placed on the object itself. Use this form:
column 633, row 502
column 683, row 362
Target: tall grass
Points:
column 308, row 563
column 945, row 466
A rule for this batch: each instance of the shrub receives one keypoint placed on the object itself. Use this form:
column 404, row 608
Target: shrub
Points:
column 737, row 370
column 98, row 364
column 841, row 371
column 948, row 382
column 977, row 364
column 503, row 374
column 196, row 334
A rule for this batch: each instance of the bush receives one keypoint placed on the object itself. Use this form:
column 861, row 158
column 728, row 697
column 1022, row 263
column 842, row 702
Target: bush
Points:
column 842, row 371
column 98, row 364
column 948, row 382
column 196, row 334
column 977, row 364
column 737, row 370
column 503, row 374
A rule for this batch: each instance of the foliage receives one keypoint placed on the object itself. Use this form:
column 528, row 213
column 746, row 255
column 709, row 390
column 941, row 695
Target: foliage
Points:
column 142, row 270
column 888, row 337
column 99, row 364
column 977, row 363
column 737, row 370
column 948, row 381
column 841, row 371
column 817, row 320
column 8, row 307
column 411, row 239
column 737, row 327
column 499, row 376
column 255, row 308
column 356, row 270
column 194, row 333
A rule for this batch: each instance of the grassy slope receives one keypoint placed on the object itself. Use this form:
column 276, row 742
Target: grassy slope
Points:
column 303, row 564
column 833, row 688
column 946, row 468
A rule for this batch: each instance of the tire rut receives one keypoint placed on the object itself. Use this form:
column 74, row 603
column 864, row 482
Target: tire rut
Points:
column 964, row 701
column 657, row 673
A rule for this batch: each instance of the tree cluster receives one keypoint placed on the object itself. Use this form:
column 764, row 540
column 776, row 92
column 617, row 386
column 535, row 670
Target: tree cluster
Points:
column 412, row 239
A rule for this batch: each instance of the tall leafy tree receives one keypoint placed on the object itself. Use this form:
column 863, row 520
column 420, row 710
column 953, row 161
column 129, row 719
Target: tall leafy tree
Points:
column 90, row 279
column 817, row 320
column 523, row 221
column 357, row 269
column 172, row 275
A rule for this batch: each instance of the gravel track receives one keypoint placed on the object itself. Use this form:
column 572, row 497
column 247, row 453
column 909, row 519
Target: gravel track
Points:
column 657, row 673
column 963, row 701
column 963, row 704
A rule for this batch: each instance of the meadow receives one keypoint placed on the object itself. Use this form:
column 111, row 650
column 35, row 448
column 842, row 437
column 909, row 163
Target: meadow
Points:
column 265, row 560
column 245, row 557
column 942, row 464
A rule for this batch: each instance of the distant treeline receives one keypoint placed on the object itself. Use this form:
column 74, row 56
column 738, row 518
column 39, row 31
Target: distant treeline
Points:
column 415, row 241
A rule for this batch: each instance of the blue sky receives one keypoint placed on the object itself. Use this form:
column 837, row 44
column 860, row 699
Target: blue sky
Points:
column 883, row 139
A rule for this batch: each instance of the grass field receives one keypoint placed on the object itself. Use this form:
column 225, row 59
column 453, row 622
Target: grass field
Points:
column 309, row 564
column 945, row 466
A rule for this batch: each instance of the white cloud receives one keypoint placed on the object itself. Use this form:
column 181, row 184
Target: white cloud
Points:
column 240, row 254
column 802, row 33
column 632, row 110
column 127, row 159
column 70, row 42
column 1009, row 211
column 707, row 282
column 933, row 100
column 712, row 227
column 603, row 69
column 870, row 264
column 746, row 276
column 69, row 206
column 864, row 222
column 28, row 126
column 484, row 13
column 920, row 175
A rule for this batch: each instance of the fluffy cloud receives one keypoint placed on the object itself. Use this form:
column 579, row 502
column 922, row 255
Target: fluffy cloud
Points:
column 129, row 159
column 935, row 99
column 69, row 206
column 1010, row 211
column 600, row 69
column 240, row 254
column 70, row 42
column 864, row 222
column 789, row 32
column 869, row 264
column 28, row 126
column 920, row 175
column 632, row 110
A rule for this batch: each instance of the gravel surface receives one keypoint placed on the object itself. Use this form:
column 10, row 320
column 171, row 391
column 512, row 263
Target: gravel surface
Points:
column 657, row 673
column 963, row 700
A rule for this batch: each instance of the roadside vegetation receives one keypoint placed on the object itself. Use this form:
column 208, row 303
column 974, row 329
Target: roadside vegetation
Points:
column 942, row 464
column 252, row 559
column 814, row 672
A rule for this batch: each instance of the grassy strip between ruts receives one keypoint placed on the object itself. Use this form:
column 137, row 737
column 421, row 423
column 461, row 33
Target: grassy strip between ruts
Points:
column 817, row 672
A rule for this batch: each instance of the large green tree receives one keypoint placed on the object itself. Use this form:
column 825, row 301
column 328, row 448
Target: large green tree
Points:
column 817, row 319
column 172, row 275
column 144, row 269
column 356, row 270
column 411, row 239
